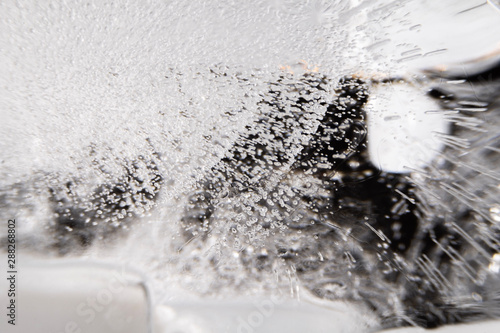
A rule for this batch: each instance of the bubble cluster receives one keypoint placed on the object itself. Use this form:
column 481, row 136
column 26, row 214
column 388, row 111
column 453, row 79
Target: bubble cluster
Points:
column 415, row 248
column 224, row 148
column 101, row 211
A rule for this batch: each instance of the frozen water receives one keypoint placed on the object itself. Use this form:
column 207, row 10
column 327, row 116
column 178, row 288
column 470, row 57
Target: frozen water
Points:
column 494, row 3
column 404, row 127
column 230, row 148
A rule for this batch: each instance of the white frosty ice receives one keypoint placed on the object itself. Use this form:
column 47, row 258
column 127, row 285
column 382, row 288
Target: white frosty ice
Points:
column 116, row 74
column 403, row 127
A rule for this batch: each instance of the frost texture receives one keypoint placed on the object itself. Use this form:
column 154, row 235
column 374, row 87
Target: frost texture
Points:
column 223, row 150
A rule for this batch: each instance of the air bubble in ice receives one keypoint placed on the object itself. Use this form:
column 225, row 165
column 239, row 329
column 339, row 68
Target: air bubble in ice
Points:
column 495, row 213
column 495, row 263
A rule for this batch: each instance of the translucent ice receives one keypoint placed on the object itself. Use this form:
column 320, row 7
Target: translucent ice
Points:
column 404, row 127
column 236, row 148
